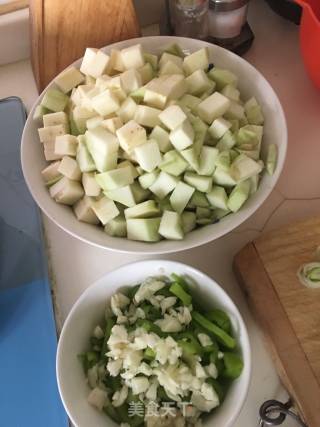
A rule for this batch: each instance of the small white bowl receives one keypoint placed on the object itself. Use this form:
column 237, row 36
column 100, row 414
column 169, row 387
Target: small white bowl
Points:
column 88, row 312
column 251, row 83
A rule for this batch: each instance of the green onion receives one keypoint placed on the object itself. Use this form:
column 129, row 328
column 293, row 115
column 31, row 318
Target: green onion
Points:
column 177, row 290
column 149, row 354
column 309, row 275
column 109, row 325
column 233, row 365
column 220, row 318
column 219, row 333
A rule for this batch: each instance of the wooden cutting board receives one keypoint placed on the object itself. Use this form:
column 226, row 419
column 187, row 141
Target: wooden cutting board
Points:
column 288, row 312
column 62, row 29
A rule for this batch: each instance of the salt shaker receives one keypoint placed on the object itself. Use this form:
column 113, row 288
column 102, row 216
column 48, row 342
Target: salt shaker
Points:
column 227, row 17
column 190, row 18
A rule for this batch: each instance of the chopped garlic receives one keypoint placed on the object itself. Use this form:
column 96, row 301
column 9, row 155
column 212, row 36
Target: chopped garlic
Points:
column 148, row 288
column 211, row 370
column 139, row 385
column 205, row 340
column 114, row 367
column 98, row 398
column 119, row 301
column 167, row 303
column 119, row 397
column 169, row 324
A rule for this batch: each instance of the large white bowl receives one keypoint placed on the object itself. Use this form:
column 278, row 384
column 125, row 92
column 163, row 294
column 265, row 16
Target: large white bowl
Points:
column 88, row 311
column 251, row 83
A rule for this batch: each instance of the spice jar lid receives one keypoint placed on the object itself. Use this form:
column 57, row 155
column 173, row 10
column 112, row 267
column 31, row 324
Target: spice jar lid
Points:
column 227, row 5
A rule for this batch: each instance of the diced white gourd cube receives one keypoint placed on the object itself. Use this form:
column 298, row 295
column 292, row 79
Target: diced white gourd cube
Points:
column 131, row 80
column 223, row 160
column 223, row 177
column 219, row 127
column 235, row 111
column 69, row 79
column 239, row 195
column 213, row 107
column 272, row 157
column 49, row 133
column 198, row 60
column 54, row 119
column 80, row 116
column 112, row 124
column 207, row 160
column 103, row 82
column 188, row 220
column 115, row 84
column 66, row 191
column 163, row 185
column 146, row 209
column 254, row 183
column 94, row 63
column 51, row 172
column 191, row 157
column 173, row 163
column 117, row 227
column 103, row 147
column 151, row 59
column 88, row 80
column 115, row 178
column 66, row 145
column 223, row 77
column 171, row 226
column 231, row 92
column 127, row 163
column 200, row 183
column 180, row 196
column 148, row 155
column 69, row 168
column 127, row 110
column 84, row 212
column 140, row 194
column 131, row 135
column 123, row 195
column 39, row 112
column 105, row 103
column 244, row 167
column 54, row 100
column 105, row 209
column 48, row 150
column 143, row 229
column 218, row 198
column 116, row 61
column 172, row 117
column 164, row 88
column 147, row 179
column 147, row 116
column 191, row 102
column 90, row 185
column 162, row 138
column 168, row 57
column 226, row 142
column 83, row 157
column 170, row 68
column 146, row 73
column 88, row 57
column 132, row 57
column 182, row 136
column 198, row 83
column 93, row 122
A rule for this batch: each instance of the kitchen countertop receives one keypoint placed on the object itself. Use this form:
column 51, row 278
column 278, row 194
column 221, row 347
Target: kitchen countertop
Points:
column 275, row 52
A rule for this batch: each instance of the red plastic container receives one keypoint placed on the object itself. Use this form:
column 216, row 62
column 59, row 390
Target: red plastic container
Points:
column 310, row 38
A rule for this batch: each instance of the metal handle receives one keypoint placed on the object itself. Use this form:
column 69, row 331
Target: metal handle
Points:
column 274, row 413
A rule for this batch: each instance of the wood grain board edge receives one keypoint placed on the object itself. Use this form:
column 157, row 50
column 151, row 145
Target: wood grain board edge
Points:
column 13, row 6
column 290, row 359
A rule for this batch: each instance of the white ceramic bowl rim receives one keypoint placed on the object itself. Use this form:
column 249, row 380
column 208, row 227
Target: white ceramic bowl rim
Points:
column 140, row 270
column 275, row 130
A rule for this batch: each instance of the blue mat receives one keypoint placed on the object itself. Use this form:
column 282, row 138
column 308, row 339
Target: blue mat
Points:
column 28, row 394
